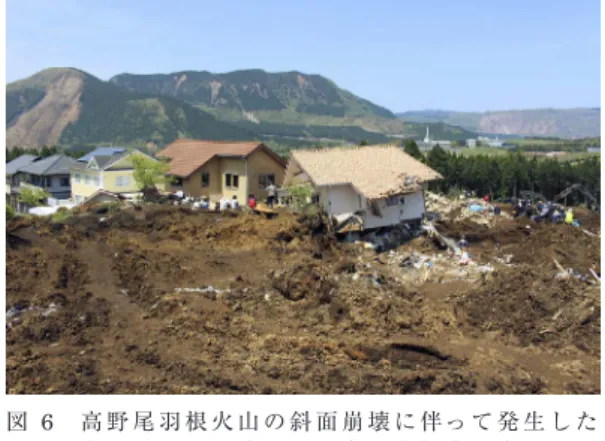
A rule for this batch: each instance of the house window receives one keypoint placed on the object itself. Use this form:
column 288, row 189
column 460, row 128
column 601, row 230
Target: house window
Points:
column 265, row 180
column 122, row 181
column 96, row 180
column 77, row 178
column 395, row 200
column 87, row 179
column 205, row 179
column 64, row 182
column 231, row 180
column 177, row 182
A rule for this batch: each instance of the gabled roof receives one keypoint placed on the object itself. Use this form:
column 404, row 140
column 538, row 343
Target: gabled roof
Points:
column 374, row 171
column 187, row 155
column 103, row 161
column 23, row 160
column 53, row 165
column 102, row 151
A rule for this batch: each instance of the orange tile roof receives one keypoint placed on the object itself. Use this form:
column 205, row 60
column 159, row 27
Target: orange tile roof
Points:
column 187, row 155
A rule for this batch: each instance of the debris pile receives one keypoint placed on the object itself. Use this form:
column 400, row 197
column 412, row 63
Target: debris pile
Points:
column 473, row 209
column 169, row 300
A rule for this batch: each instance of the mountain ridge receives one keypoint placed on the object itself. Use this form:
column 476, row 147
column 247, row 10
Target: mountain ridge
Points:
column 70, row 106
column 252, row 90
column 576, row 122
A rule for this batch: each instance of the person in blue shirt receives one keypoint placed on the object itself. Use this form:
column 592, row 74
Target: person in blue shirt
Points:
column 462, row 243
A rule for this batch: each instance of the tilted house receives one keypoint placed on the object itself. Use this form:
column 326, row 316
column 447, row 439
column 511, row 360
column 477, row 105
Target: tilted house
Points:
column 222, row 168
column 382, row 185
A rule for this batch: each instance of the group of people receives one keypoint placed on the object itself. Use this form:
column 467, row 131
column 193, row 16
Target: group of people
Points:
column 542, row 211
column 225, row 203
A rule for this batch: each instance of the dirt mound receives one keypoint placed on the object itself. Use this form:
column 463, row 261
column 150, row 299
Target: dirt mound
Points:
column 536, row 308
column 171, row 300
column 304, row 281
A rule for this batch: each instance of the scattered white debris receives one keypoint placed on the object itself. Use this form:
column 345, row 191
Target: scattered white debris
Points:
column 52, row 308
column 208, row 289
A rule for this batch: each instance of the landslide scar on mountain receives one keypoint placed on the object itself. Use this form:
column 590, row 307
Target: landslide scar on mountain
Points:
column 44, row 123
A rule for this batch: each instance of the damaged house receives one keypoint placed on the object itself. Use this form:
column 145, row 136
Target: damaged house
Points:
column 371, row 186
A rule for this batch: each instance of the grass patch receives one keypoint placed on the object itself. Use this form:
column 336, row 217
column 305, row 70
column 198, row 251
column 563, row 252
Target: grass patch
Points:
column 61, row 215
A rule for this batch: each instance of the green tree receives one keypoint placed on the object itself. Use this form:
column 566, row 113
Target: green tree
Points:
column 438, row 159
column 300, row 194
column 45, row 152
column 10, row 212
column 364, row 142
column 411, row 148
column 148, row 172
column 32, row 196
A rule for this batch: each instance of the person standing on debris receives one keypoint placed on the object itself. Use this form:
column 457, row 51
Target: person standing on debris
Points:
column 204, row 203
column 518, row 208
column 486, row 198
column 234, row 203
column 569, row 217
column 224, row 203
column 557, row 215
column 465, row 259
column 251, row 201
column 271, row 192
column 463, row 243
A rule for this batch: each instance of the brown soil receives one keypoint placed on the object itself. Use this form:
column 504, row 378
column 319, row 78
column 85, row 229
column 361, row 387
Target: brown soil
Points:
column 103, row 309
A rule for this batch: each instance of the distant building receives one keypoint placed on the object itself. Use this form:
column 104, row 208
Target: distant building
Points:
column 494, row 142
column 471, row 143
column 593, row 149
column 427, row 143
column 490, row 142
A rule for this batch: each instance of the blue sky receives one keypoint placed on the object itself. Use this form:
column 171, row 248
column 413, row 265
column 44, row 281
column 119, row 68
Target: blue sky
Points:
column 404, row 55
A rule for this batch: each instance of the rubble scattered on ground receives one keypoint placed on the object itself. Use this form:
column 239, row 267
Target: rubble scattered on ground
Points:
column 167, row 300
column 473, row 209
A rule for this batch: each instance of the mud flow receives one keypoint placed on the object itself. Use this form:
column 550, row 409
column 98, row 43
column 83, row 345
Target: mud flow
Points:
column 165, row 300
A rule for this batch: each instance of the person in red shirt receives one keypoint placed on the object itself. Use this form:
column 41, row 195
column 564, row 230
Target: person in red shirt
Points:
column 251, row 201
column 486, row 198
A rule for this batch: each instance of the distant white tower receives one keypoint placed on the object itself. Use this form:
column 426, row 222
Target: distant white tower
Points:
column 427, row 138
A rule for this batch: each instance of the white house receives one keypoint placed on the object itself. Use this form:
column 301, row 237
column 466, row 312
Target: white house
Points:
column 381, row 185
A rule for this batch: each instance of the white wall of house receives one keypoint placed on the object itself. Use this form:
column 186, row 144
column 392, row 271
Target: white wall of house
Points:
column 412, row 208
column 339, row 199
column 343, row 199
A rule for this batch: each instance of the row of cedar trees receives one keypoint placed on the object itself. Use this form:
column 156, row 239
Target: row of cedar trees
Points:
column 500, row 176
column 506, row 175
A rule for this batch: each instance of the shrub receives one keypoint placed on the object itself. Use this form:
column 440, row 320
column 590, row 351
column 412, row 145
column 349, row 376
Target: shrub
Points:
column 32, row 196
column 10, row 212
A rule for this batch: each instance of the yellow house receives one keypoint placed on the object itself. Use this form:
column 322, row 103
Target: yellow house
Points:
column 218, row 169
column 105, row 168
